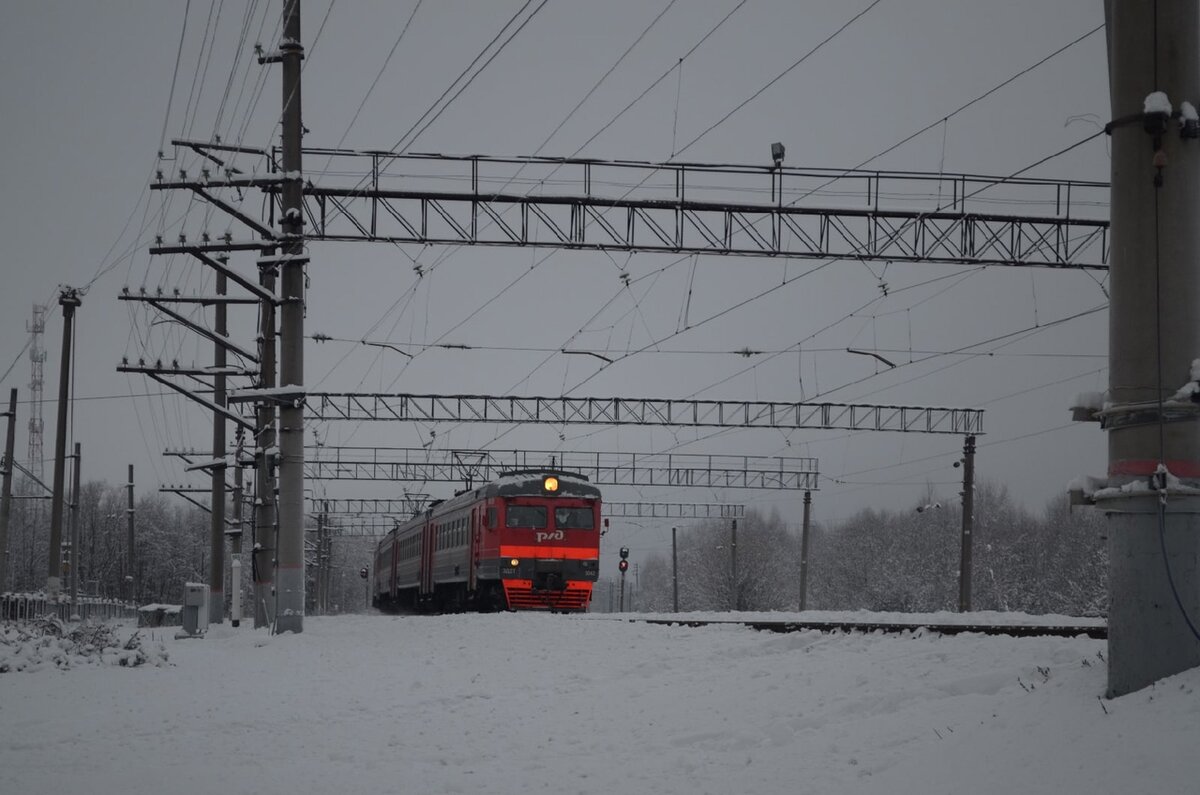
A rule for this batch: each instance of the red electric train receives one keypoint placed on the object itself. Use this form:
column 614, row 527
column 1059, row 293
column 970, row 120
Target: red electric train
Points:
column 528, row 541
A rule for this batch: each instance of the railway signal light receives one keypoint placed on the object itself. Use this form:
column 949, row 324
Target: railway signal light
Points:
column 624, row 552
column 623, row 565
column 363, row 572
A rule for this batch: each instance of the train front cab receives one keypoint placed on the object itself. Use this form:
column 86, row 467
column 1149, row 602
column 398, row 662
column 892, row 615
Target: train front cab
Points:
column 547, row 546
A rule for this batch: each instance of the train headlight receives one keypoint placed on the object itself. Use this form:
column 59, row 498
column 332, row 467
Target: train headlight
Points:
column 550, row 483
column 514, row 563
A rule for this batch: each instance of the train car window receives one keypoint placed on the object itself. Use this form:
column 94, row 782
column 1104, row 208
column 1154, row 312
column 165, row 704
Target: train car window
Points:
column 573, row 518
column 491, row 518
column 526, row 516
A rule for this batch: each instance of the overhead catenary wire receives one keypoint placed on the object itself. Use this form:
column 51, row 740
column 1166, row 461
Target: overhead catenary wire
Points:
column 378, row 76
column 603, row 77
column 191, row 115
column 413, row 132
column 778, row 77
column 611, row 121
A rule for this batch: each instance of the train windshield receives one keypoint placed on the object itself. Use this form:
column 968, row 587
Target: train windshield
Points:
column 573, row 518
column 525, row 516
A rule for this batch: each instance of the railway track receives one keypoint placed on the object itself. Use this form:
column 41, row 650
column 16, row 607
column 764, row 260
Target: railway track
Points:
column 1098, row 632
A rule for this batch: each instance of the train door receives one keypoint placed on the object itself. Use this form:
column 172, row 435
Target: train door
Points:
column 428, row 549
column 395, row 562
column 473, row 550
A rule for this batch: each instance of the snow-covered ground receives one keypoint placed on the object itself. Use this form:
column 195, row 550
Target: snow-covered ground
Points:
column 529, row 703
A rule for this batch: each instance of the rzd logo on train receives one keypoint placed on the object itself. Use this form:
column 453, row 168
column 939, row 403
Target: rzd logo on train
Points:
column 557, row 535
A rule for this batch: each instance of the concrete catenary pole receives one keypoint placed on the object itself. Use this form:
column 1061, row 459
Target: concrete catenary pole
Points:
column 1154, row 337
column 235, row 562
column 6, row 495
column 262, row 555
column 290, row 585
column 674, row 573
column 216, row 600
column 130, row 550
column 737, row 602
column 69, row 300
column 75, row 554
column 968, row 525
column 320, row 607
column 804, row 536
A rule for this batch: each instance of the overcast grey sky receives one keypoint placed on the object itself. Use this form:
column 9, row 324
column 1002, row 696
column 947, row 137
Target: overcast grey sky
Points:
column 85, row 90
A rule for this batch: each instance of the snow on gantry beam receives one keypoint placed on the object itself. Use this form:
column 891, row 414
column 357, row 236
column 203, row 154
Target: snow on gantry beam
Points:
column 643, row 411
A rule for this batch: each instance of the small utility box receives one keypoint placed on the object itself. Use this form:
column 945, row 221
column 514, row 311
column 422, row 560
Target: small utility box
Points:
column 195, row 608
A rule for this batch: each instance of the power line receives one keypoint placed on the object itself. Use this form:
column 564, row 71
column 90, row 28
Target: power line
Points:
column 604, row 77
column 779, row 77
column 375, row 82
column 162, row 139
column 745, row 352
column 28, row 342
column 448, row 253
column 398, row 145
column 980, row 98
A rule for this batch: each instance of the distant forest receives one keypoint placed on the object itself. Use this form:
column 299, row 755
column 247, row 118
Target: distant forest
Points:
column 172, row 544
column 903, row 561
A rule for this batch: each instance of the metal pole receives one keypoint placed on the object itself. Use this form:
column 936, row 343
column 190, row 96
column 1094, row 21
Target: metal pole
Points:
column 6, row 495
column 75, row 556
column 262, row 554
column 290, row 593
column 130, row 553
column 68, row 299
column 968, row 525
column 216, row 577
column 327, row 572
column 622, row 602
column 235, row 562
column 1154, row 267
column 674, row 573
column 733, row 565
column 320, row 560
column 804, row 536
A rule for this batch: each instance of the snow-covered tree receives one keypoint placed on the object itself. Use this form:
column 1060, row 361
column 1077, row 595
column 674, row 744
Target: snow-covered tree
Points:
column 767, row 568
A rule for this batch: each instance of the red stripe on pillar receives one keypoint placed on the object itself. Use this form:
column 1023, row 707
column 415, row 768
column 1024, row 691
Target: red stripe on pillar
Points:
column 1147, row 466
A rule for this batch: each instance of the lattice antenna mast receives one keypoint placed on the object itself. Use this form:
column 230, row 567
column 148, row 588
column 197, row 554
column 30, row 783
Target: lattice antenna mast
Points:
column 37, row 357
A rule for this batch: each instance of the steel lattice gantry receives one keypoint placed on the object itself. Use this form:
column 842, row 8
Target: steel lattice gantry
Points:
column 602, row 468
column 386, row 509
column 688, row 208
column 642, row 411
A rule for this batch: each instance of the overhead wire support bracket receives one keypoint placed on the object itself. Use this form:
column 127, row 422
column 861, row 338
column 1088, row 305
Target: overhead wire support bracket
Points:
column 251, row 287
column 166, row 298
column 154, row 373
column 212, row 336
